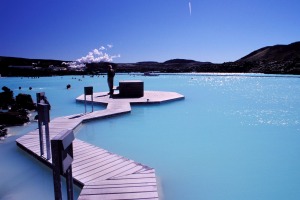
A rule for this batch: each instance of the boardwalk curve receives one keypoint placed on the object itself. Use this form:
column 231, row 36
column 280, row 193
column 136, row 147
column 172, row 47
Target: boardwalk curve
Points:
column 102, row 174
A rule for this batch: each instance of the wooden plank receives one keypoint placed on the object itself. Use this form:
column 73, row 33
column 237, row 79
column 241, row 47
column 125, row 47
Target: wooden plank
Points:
column 79, row 143
column 84, row 154
column 142, row 195
column 95, row 156
column 117, row 170
column 130, row 171
column 82, row 146
column 135, row 176
column 89, row 151
column 91, row 169
column 103, row 169
column 79, row 148
column 87, row 157
column 119, row 190
column 82, row 149
column 99, row 184
column 30, row 144
column 26, row 137
column 93, row 161
column 126, row 181
column 28, row 140
column 146, row 171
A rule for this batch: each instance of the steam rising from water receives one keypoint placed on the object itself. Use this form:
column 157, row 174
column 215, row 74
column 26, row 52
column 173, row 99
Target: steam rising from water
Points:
column 94, row 56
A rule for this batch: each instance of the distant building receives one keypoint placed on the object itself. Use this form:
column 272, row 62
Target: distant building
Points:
column 55, row 68
column 21, row 66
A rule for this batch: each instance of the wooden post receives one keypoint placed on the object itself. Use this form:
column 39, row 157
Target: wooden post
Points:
column 56, row 169
column 48, row 140
column 69, row 180
column 62, row 158
column 44, row 119
column 88, row 91
column 40, row 125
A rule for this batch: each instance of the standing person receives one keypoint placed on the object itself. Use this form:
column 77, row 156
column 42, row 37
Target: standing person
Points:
column 110, row 79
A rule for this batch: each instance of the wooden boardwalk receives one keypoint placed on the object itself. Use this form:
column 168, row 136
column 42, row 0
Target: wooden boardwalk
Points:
column 101, row 174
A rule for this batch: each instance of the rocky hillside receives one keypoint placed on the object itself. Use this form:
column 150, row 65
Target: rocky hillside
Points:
column 277, row 59
column 274, row 53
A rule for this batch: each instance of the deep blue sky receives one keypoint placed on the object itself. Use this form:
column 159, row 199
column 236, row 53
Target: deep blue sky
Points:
column 146, row 30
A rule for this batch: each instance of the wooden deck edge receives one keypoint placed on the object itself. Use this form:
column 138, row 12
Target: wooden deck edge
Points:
column 88, row 102
column 142, row 102
column 41, row 159
column 104, row 117
column 45, row 162
column 158, row 101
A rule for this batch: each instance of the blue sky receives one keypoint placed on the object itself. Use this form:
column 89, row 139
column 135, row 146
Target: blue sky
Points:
column 146, row 30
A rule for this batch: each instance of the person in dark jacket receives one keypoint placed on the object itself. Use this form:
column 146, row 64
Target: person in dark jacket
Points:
column 110, row 79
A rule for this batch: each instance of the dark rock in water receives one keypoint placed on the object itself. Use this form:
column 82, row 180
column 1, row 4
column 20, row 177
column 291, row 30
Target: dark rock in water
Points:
column 6, row 98
column 12, row 118
column 25, row 101
column 17, row 108
column 3, row 131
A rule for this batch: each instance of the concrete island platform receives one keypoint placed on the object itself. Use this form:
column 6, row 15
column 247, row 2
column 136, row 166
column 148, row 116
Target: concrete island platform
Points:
column 102, row 174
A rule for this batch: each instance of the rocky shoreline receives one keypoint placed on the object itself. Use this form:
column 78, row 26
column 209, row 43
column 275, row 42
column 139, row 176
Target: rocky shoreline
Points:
column 3, row 131
column 14, row 110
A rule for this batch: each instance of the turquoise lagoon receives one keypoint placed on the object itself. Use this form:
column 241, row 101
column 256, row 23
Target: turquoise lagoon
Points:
column 234, row 136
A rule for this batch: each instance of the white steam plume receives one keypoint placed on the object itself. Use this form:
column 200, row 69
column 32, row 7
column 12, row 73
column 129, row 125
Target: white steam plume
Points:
column 94, row 56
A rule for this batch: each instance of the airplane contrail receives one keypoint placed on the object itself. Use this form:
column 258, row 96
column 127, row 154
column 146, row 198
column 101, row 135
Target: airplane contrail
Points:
column 190, row 7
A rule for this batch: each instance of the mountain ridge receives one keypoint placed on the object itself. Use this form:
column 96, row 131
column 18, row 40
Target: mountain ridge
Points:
column 276, row 59
column 274, row 53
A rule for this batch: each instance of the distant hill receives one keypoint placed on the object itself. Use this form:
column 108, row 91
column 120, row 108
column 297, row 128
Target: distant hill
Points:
column 277, row 59
column 184, row 61
column 14, row 66
column 6, row 61
column 289, row 52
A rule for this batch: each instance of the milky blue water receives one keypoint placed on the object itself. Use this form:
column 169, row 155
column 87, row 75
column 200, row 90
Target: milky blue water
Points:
column 232, row 137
